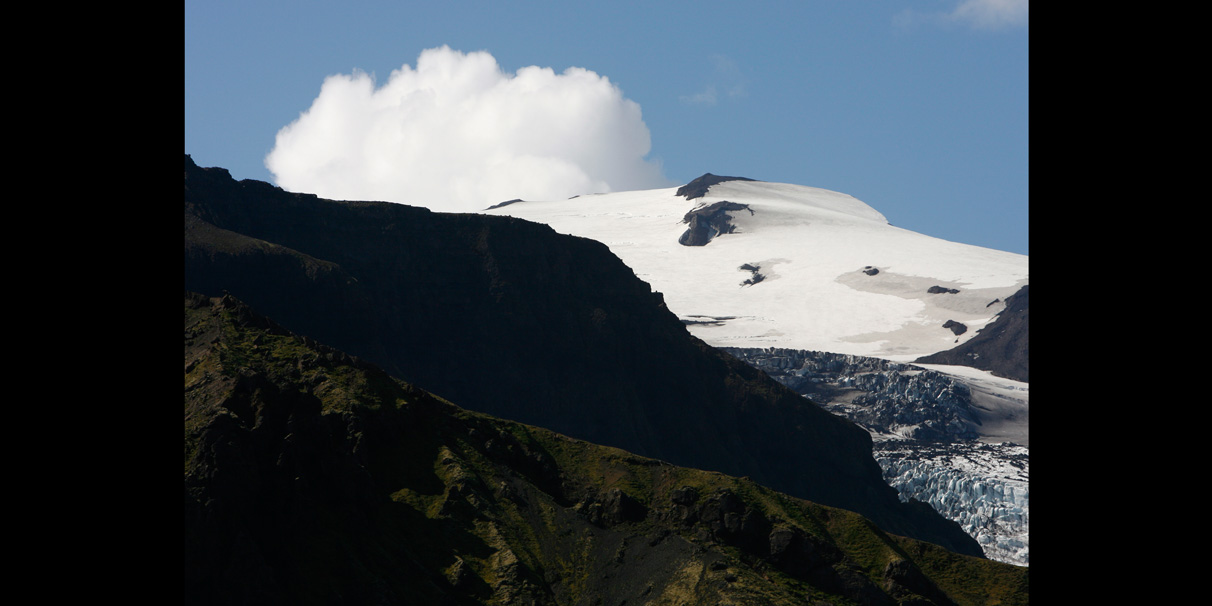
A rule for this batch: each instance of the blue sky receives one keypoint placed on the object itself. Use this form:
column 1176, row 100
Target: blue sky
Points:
column 918, row 108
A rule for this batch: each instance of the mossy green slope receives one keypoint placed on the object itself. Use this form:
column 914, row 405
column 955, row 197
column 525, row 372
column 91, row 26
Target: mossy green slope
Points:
column 312, row 477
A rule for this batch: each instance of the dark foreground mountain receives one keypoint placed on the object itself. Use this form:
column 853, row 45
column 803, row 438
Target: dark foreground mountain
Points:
column 312, row 477
column 509, row 318
column 1001, row 348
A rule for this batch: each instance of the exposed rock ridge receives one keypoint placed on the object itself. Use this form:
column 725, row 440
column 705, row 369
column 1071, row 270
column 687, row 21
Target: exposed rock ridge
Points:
column 504, row 204
column 698, row 187
column 1001, row 348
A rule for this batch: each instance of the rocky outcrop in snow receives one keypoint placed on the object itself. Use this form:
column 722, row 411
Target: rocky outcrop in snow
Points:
column 707, row 222
column 754, row 275
column 698, row 188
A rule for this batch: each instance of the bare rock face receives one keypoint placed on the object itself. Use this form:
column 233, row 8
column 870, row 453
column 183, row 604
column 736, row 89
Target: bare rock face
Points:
column 1001, row 347
column 698, row 188
column 709, row 221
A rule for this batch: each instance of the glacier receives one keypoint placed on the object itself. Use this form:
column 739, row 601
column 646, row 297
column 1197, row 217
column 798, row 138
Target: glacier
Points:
column 929, row 435
column 983, row 487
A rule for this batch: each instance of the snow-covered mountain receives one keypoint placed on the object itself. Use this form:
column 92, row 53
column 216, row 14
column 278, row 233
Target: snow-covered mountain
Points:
column 793, row 269
column 757, row 264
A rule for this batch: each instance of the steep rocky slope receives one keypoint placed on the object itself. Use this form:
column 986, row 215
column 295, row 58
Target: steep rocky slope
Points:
column 313, row 477
column 1002, row 347
column 507, row 317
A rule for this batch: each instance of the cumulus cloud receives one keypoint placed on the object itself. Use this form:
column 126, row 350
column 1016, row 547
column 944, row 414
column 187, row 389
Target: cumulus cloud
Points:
column 459, row 134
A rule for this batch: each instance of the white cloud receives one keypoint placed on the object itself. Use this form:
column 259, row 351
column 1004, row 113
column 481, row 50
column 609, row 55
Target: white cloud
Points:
column 459, row 134
column 992, row 14
column 727, row 74
column 978, row 14
column 706, row 96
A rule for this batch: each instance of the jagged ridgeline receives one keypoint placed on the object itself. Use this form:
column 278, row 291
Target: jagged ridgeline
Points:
column 508, row 317
column 313, row 477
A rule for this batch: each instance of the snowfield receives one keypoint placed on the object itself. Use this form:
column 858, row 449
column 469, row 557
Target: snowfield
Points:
column 814, row 249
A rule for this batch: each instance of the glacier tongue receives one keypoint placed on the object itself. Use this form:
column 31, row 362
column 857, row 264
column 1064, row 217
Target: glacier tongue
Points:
column 926, row 427
column 983, row 487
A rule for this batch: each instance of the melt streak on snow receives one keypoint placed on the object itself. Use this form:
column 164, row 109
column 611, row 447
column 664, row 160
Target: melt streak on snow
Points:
column 811, row 246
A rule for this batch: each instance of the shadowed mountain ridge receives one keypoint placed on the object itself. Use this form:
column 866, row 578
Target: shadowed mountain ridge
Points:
column 312, row 477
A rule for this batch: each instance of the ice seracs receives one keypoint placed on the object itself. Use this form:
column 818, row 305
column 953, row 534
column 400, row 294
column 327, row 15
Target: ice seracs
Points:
column 956, row 441
column 983, row 487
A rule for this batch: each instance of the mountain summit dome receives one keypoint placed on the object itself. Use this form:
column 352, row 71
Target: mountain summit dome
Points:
column 784, row 265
